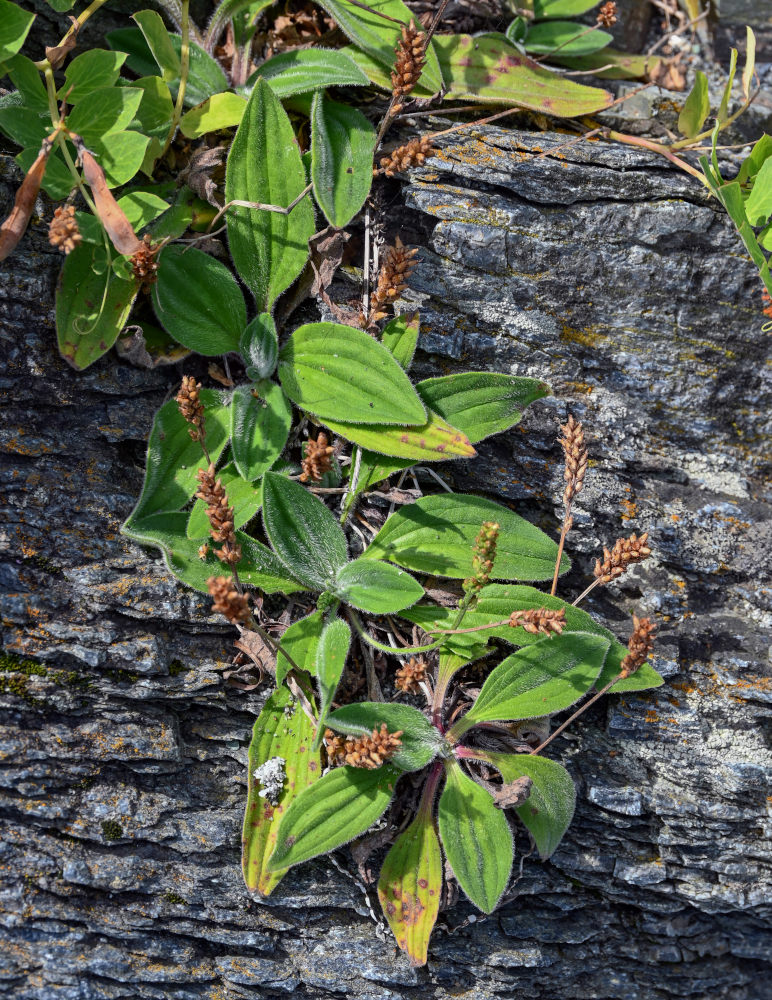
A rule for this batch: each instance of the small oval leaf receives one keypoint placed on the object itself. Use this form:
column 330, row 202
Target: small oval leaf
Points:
column 377, row 587
column 342, row 145
column 261, row 417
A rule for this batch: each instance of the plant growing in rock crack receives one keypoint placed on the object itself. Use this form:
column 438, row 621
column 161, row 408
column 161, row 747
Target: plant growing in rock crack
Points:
column 321, row 416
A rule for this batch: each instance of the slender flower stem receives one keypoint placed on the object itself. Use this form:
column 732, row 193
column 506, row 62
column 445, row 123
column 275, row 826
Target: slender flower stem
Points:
column 563, row 533
column 426, row 804
column 577, row 713
column 586, row 591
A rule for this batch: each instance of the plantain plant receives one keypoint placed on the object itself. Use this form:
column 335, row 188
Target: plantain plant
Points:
column 149, row 145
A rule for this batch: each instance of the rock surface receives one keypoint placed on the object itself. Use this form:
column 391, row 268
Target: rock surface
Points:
column 123, row 758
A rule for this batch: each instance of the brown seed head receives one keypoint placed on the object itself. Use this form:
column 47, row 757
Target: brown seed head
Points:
column 191, row 407
column 411, row 56
column 227, row 600
column 335, row 746
column 539, row 620
column 575, row 450
column 317, row 459
column 398, row 265
column 639, row 647
column 483, row 558
column 220, row 515
column 63, row 231
column 364, row 751
column 411, row 675
column 625, row 552
column 412, row 154
column 144, row 264
column 607, row 15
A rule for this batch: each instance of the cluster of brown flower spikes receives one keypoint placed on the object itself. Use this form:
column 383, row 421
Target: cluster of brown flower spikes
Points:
column 367, row 752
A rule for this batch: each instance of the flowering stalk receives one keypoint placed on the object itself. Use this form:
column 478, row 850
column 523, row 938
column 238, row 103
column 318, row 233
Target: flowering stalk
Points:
column 575, row 451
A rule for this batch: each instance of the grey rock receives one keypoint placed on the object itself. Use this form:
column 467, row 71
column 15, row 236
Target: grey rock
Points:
column 122, row 767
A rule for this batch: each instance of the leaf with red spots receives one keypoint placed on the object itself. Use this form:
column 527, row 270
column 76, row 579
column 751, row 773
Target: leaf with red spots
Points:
column 491, row 70
column 410, row 885
column 434, row 441
column 281, row 730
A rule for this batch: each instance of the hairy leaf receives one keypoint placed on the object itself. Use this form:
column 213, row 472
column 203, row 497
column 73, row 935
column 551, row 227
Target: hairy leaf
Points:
column 481, row 403
column 331, row 812
column 261, row 419
column 538, row 680
column 400, row 336
column 421, row 742
column 342, row 145
column 300, row 641
column 259, row 346
column 410, row 887
column 434, row 441
column 336, row 371
column 549, row 809
column 281, row 730
column 303, row 532
column 377, row 587
column 570, row 38
column 331, row 654
column 269, row 249
column 303, row 70
column 437, row 534
column 198, row 301
column 476, row 838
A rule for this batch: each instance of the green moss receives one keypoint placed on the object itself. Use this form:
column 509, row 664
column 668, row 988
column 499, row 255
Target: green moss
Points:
column 176, row 668
column 122, row 676
column 172, row 897
column 111, row 830
column 12, row 663
column 72, row 679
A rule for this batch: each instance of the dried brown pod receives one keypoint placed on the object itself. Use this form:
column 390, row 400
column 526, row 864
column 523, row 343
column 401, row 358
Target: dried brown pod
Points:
column 607, row 15
column 144, row 264
column 575, row 450
column 111, row 215
column 190, row 406
column 220, row 515
column 227, row 600
column 16, row 224
column 398, row 265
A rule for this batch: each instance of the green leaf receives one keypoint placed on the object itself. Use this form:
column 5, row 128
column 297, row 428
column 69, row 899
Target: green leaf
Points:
column 25, row 76
column 331, row 654
column 25, row 126
column 332, row 370
column 218, row 111
column 120, row 154
column 258, row 568
column 549, row 809
column 379, row 36
column 108, row 109
column 610, row 64
column 481, row 403
column 259, row 347
column 538, row 680
column 400, row 336
column 751, row 165
column 198, row 301
column 342, row 146
column 437, row 534
column 421, row 742
column 750, row 62
column 434, row 441
column 303, row 70
column 205, row 77
column 60, row 5
column 91, row 309
column 90, row 71
column 303, row 532
column 488, row 70
column 157, row 37
column 723, row 111
column 281, row 730
column 173, row 458
column 410, row 887
column 543, row 9
column 245, row 497
column 300, row 641
column 476, row 838
column 340, row 806
column 269, row 249
column 377, row 587
column 14, row 27
column 572, row 39
column 261, row 420
column 141, row 207
column 696, row 107
column 758, row 206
